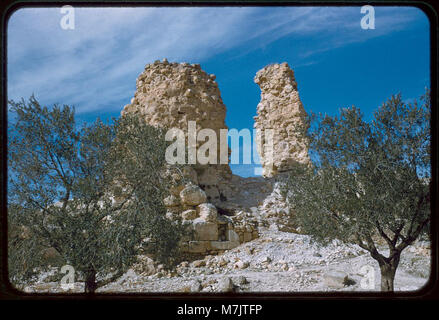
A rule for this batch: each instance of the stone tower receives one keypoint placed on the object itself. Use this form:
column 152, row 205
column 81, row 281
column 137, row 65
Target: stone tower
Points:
column 281, row 111
column 171, row 95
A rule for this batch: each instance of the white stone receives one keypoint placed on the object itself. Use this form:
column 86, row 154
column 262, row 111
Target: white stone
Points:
column 192, row 195
column 195, row 286
column 240, row 265
column 208, row 212
column 232, row 236
column 205, row 230
column 225, row 284
column 224, row 245
column 189, row 214
column 198, row 246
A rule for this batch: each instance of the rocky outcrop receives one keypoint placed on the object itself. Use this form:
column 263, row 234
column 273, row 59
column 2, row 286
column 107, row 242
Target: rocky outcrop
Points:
column 281, row 111
column 275, row 262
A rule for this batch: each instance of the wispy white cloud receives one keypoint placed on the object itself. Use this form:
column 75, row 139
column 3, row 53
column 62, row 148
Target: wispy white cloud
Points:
column 95, row 65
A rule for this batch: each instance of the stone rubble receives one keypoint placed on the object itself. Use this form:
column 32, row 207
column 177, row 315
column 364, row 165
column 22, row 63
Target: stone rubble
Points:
column 275, row 262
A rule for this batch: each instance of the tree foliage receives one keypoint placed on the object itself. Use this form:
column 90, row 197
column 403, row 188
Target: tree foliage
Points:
column 369, row 181
column 94, row 194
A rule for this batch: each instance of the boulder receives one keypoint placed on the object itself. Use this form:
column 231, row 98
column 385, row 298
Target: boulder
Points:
column 195, row 286
column 145, row 265
column 225, row 284
column 190, row 174
column 192, row 195
column 204, row 230
column 197, row 246
column 208, row 212
column 224, row 245
column 190, row 214
column 240, row 264
column 198, row 263
column 170, row 215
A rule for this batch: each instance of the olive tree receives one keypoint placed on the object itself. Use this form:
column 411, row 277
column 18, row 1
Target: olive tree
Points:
column 94, row 194
column 369, row 182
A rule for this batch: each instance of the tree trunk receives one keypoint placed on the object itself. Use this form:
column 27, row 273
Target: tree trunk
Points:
column 90, row 281
column 387, row 278
column 388, row 270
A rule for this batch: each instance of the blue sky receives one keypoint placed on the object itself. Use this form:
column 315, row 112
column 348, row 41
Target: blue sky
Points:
column 336, row 63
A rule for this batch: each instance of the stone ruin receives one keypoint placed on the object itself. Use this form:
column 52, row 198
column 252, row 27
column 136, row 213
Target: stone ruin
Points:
column 223, row 209
column 282, row 111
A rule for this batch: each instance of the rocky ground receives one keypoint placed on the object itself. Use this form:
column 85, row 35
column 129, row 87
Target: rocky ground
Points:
column 275, row 262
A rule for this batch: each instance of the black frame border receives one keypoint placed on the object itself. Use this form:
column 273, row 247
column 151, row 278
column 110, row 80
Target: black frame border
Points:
column 429, row 291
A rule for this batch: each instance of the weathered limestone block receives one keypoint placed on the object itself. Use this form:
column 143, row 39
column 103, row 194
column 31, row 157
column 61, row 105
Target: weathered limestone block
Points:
column 205, row 230
column 190, row 214
column 198, row 246
column 231, row 242
column 232, row 236
column 208, row 212
column 192, row 195
column 223, row 245
column 281, row 111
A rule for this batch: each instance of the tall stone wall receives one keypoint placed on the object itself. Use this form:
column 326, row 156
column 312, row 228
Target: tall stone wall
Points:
column 170, row 95
column 280, row 110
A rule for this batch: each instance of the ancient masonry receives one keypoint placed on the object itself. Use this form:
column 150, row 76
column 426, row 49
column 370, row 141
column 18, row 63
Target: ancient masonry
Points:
column 282, row 111
column 172, row 94
column 223, row 209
